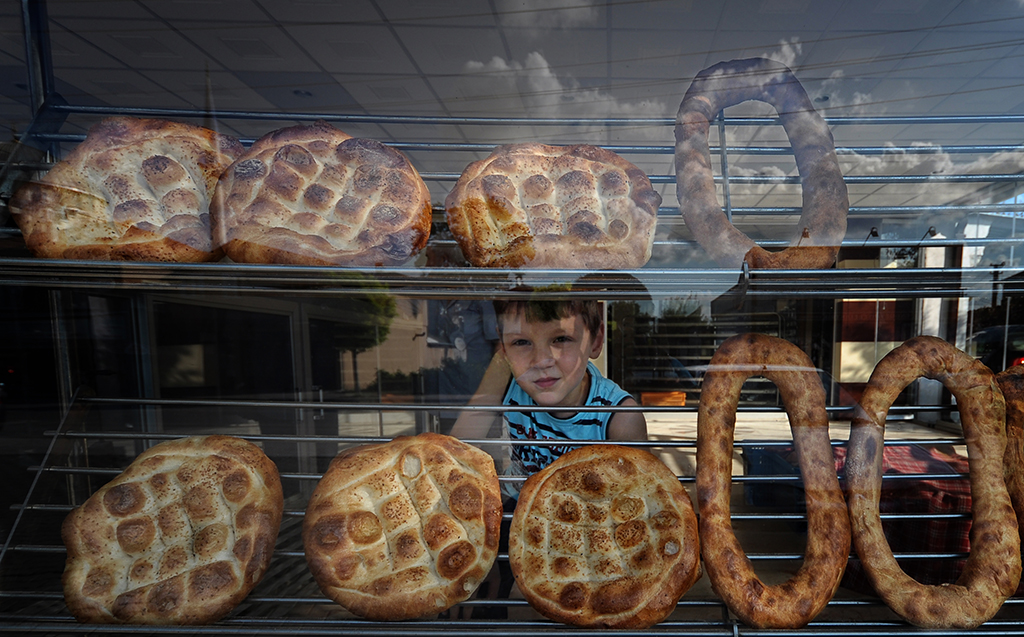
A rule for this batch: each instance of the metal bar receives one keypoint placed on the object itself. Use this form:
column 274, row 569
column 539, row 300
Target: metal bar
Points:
column 522, row 121
column 644, row 149
column 34, row 483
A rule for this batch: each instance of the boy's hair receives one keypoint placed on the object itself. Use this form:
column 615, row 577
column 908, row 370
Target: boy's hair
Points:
column 543, row 310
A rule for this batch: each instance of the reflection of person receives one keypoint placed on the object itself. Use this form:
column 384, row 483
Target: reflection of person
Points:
column 467, row 330
column 544, row 360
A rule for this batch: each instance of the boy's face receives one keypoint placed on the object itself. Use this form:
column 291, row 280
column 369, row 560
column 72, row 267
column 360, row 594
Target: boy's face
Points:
column 549, row 359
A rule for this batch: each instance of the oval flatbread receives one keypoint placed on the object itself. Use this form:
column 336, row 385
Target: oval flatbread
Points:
column 181, row 537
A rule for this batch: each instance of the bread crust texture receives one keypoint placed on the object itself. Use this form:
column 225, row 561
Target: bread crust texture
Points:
column 180, row 537
column 133, row 190
column 313, row 195
column 605, row 536
column 533, row 205
column 404, row 529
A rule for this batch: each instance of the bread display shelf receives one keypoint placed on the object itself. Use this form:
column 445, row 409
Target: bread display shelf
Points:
column 287, row 600
column 483, row 283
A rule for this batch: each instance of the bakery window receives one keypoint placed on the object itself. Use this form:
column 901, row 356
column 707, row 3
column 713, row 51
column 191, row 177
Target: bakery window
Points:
column 287, row 222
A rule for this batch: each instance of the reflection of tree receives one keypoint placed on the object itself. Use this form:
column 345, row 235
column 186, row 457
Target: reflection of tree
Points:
column 367, row 321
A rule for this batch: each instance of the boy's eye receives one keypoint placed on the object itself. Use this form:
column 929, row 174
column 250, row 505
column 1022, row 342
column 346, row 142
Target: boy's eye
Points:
column 563, row 339
column 519, row 342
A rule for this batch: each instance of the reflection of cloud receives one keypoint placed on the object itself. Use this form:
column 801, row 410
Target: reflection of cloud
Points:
column 544, row 93
column 550, row 14
column 786, row 53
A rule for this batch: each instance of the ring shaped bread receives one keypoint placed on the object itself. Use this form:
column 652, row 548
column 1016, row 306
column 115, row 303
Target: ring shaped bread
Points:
column 1011, row 384
column 797, row 601
column 993, row 567
column 538, row 206
column 604, row 536
column 313, row 195
column 404, row 529
column 134, row 190
column 822, row 224
column 181, row 537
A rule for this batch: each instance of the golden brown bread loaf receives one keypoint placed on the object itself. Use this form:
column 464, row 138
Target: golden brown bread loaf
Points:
column 604, row 536
column 993, row 568
column 404, row 529
column 180, row 537
column 313, row 195
column 796, row 601
column 134, row 190
column 539, row 206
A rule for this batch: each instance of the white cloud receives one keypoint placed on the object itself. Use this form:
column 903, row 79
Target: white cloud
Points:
column 787, row 52
column 535, row 87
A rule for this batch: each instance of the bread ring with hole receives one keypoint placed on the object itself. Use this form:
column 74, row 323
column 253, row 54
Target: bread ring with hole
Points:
column 993, row 567
column 794, row 603
column 822, row 222
column 1011, row 384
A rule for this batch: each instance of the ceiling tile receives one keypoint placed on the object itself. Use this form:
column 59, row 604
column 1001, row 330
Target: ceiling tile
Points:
column 249, row 47
column 354, row 49
column 92, row 43
column 434, row 13
column 302, row 92
column 448, row 50
column 398, row 94
column 208, row 10
column 322, row 12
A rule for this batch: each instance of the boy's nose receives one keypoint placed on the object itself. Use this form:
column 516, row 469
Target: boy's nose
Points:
column 543, row 357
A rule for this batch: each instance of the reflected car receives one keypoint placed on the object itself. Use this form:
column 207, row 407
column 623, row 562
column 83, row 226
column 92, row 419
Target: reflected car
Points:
column 987, row 346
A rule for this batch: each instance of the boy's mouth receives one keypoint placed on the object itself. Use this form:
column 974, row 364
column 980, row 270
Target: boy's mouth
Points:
column 546, row 382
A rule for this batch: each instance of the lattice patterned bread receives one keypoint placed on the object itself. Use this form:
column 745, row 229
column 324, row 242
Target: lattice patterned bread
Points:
column 605, row 536
column 543, row 206
column 404, row 529
column 134, row 190
column 180, row 537
column 313, row 195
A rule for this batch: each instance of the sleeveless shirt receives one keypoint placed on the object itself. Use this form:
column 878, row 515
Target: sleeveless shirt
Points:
column 542, row 425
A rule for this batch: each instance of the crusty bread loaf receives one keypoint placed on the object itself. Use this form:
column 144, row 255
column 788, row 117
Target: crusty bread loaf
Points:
column 539, row 206
column 313, row 195
column 180, row 537
column 404, row 529
column 604, row 536
column 134, row 190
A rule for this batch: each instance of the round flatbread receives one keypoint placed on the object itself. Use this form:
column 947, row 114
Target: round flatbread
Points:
column 134, row 190
column 604, row 536
column 313, row 195
column 181, row 537
column 404, row 529
column 538, row 206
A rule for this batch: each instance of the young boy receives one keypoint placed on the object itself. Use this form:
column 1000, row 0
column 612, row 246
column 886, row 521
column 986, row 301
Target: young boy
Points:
column 543, row 360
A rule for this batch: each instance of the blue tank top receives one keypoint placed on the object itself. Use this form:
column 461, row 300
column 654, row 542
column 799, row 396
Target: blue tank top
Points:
column 541, row 425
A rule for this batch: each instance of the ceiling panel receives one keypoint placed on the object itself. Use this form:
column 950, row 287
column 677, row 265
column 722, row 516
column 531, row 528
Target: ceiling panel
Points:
column 323, row 12
column 263, row 47
column 370, row 49
column 208, row 10
column 142, row 44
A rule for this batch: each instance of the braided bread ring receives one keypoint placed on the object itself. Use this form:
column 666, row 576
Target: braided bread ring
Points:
column 825, row 201
column 993, row 568
column 795, row 602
